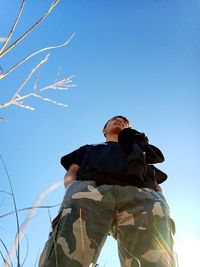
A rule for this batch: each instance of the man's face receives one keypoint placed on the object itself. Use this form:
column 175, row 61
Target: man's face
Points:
column 115, row 125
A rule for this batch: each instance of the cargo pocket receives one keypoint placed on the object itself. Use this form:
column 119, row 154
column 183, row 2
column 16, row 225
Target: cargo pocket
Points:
column 70, row 184
column 172, row 226
column 158, row 196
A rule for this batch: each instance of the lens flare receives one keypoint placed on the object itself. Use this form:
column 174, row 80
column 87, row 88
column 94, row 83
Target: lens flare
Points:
column 188, row 250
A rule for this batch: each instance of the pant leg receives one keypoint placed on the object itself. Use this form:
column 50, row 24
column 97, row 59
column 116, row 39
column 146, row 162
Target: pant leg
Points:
column 143, row 229
column 81, row 228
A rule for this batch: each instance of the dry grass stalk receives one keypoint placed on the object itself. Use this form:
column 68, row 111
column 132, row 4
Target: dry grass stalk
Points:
column 17, row 245
column 54, row 241
column 82, row 239
column 29, row 208
column 22, row 229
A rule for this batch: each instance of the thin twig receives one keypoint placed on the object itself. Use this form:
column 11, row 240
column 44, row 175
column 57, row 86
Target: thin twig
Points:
column 51, row 101
column 2, row 191
column 18, row 99
column 3, row 75
column 35, row 84
column 60, row 85
column 22, row 105
column 13, row 28
column 30, row 75
column 30, row 29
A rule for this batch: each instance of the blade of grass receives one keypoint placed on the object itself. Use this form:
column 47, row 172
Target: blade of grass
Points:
column 15, row 208
column 4, row 259
column 54, row 241
column 29, row 208
column 30, row 215
column 27, row 246
column 5, row 247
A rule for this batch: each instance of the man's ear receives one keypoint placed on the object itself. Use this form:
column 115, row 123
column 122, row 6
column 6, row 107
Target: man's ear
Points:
column 104, row 131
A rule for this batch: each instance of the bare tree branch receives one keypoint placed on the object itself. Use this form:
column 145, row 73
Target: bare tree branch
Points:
column 13, row 28
column 18, row 98
column 60, row 85
column 2, row 51
column 3, row 75
column 30, row 75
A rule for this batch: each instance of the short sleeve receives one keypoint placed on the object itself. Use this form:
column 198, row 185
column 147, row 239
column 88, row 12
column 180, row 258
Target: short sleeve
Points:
column 75, row 157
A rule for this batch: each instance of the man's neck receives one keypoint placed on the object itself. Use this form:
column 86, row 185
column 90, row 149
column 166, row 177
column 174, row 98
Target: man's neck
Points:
column 113, row 138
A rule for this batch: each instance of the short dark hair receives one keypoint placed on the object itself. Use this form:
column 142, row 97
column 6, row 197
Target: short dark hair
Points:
column 122, row 117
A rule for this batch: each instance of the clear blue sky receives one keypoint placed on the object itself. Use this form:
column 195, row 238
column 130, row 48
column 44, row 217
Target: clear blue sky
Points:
column 136, row 58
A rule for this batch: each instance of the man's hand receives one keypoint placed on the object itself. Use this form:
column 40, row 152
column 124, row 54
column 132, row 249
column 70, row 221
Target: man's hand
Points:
column 130, row 136
column 127, row 137
column 71, row 174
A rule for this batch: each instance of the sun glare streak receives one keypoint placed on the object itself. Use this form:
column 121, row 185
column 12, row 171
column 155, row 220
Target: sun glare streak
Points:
column 188, row 250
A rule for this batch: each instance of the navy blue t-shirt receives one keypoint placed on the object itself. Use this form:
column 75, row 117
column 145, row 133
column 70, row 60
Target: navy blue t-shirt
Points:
column 105, row 163
column 108, row 156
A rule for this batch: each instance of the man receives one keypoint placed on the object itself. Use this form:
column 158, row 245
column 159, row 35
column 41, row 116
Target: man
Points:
column 112, row 188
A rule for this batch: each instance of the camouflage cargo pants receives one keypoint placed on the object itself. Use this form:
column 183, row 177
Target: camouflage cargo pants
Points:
column 137, row 218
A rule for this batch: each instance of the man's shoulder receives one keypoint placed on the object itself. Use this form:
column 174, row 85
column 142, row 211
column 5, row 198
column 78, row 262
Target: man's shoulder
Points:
column 99, row 144
column 95, row 146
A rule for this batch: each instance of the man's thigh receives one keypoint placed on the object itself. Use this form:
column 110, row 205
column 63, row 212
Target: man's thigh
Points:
column 81, row 227
column 144, row 228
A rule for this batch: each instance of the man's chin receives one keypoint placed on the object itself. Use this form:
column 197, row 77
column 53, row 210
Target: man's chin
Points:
column 118, row 129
